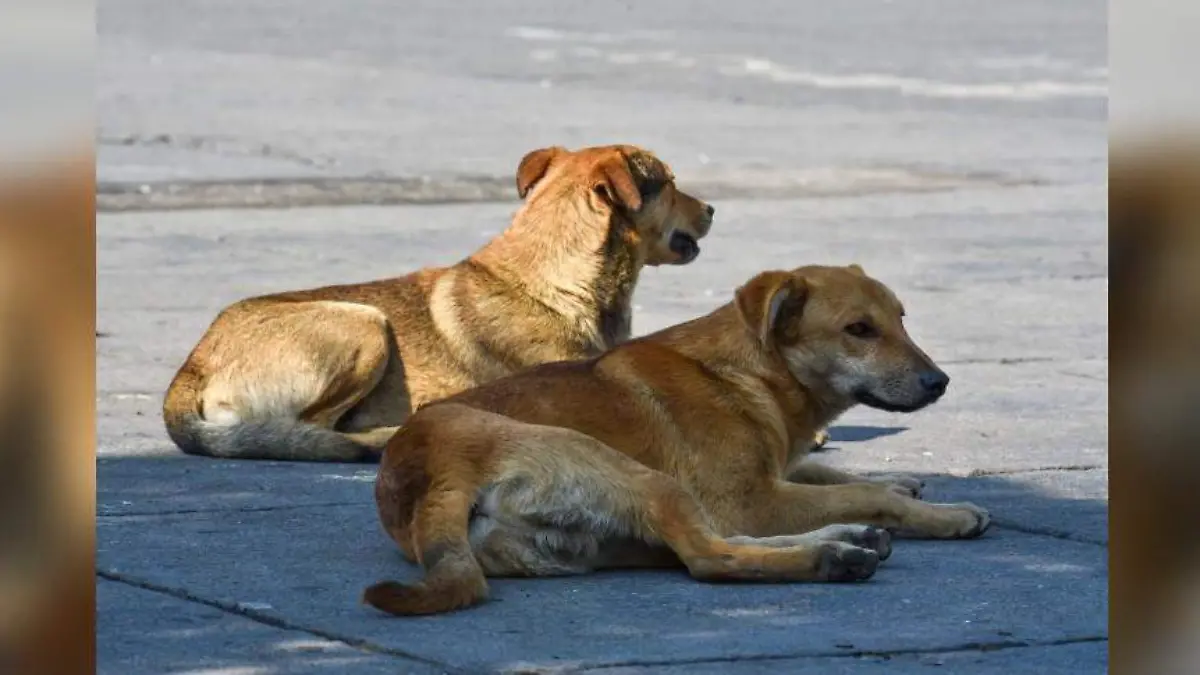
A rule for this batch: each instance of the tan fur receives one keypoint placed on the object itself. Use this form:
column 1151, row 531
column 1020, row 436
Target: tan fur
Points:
column 331, row 373
column 672, row 449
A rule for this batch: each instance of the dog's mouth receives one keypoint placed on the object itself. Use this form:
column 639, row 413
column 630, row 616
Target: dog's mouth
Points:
column 685, row 246
column 868, row 399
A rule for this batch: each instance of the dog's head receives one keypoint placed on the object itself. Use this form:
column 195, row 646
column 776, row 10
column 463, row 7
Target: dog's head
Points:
column 627, row 183
column 841, row 334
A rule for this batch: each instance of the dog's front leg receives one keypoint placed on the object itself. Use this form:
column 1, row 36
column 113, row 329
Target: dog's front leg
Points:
column 791, row 508
column 811, row 473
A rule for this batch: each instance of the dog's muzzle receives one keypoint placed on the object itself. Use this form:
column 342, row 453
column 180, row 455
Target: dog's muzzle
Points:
column 685, row 246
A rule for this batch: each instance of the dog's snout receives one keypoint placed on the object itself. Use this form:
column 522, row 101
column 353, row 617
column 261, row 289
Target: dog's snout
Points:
column 710, row 210
column 935, row 382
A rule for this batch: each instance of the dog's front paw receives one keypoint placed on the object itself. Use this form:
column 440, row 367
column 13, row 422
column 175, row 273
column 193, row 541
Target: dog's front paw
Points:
column 946, row 521
column 845, row 562
column 862, row 536
column 976, row 520
column 902, row 484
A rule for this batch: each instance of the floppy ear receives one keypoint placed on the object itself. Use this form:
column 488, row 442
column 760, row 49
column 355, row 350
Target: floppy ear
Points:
column 763, row 299
column 533, row 166
column 614, row 181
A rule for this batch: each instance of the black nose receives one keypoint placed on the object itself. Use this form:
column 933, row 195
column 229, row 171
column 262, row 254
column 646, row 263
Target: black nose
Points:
column 935, row 382
column 710, row 209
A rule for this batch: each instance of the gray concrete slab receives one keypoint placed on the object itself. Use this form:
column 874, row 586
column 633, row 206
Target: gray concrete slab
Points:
column 150, row 485
column 1072, row 659
column 310, row 564
column 367, row 87
column 1071, row 504
column 143, row 631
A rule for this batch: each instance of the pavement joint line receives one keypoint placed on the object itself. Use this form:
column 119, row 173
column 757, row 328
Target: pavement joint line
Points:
column 269, row 619
column 982, row 647
column 248, row 509
column 1000, row 524
column 1049, row 532
column 227, row 146
column 1003, row 361
column 983, row 473
column 1083, row 376
column 103, row 309
column 255, row 193
column 361, row 644
column 1020, row 360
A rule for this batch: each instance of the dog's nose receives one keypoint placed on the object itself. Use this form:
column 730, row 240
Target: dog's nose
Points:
column 710, row 209
column 935, row 382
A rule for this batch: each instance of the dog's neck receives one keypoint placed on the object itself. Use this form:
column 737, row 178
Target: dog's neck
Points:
column 723, row 343
column 578, row 262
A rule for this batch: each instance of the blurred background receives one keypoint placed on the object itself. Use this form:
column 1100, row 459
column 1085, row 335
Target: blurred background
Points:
column 1154, row 231
column 259, row 102
column 766, row 97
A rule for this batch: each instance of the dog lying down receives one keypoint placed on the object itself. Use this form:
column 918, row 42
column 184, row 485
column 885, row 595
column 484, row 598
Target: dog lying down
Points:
column 329, row 374
column 682, row 448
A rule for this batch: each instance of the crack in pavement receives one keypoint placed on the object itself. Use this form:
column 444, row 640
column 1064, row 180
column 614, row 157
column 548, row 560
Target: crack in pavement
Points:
column 273, row 620
column 855, row 653
column 980, row 473
column 1053, row 533
column 1019, row 360
column 216, row 144
column 232, row 509
column 118, row 196
column 1084, row 376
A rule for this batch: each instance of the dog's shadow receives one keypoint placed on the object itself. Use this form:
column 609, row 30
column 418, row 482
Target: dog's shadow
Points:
column 852, row 433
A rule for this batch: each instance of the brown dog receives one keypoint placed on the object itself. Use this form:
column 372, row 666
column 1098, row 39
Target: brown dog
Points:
column 669, row 449
column 330, row 374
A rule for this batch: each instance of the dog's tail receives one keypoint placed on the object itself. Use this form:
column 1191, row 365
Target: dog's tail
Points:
column 453, row 578
column 268, row 438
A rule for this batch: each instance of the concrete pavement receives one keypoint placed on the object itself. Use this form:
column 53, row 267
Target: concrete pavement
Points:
column 956, row 150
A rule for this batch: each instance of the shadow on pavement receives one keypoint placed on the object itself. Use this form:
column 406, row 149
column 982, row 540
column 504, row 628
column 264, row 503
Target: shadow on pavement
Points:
column 850, row 433
column 300, row 541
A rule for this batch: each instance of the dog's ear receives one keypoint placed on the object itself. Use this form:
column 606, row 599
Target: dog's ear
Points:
column 767, row 297
column 857, row 269
column 533, row 166
column 614, row 181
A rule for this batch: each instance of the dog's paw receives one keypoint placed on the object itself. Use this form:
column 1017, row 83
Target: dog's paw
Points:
column 878, row 540
column 862, row 536
column 950, row 521
column 902, row 484
column 977, row 520
column 840, row 561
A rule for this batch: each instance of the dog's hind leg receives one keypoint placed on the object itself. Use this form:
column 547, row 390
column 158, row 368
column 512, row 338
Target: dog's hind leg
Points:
column 592, row 497
column 453, row 577
column 271, row 381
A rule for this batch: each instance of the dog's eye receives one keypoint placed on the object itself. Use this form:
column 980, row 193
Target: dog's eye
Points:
column 861, row 329
column 651, row 188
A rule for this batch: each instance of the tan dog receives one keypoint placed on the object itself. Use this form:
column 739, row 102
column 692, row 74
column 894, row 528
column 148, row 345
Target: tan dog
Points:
column 669, row 449
column 329, row 374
